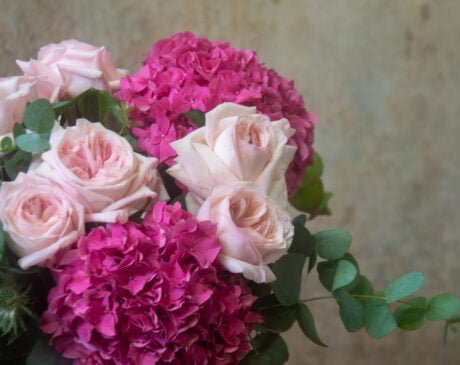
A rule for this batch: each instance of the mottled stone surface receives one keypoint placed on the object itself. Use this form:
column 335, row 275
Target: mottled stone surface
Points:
column 384, row 78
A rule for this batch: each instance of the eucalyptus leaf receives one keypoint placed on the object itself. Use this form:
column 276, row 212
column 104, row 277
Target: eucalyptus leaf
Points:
column 303, row 241
column 351, row 313
column 307, row 324
column 363, row 286
column 345, row 273
column 378, row 319
column 273, row 347
column 310, row 197
column 33, row 142
column 404, row 286
column 332, row 244
column 288, row 272
column 18, row 129
column 197, row 117
column 6, row 145
column 255, row 358
column 410, row 316
column 442, row 306
column 39, row 116
column 277, row 318
column 16, row 163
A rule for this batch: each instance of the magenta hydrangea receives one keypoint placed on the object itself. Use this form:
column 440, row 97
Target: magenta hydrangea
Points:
column 149, row 294
column 187, row 72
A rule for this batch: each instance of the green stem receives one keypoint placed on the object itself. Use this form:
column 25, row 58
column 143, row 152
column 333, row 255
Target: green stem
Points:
column 368, row 296
column 316, row 298
column 413, row 305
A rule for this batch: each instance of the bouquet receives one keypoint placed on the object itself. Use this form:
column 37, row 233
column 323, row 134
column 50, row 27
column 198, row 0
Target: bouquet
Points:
column 162, row 217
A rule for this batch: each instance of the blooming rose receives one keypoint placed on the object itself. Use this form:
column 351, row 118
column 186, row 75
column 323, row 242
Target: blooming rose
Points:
column 15, row 92
column 253, row 230
column 39, row 217
column 187, row 72
column 236, row 144
column 74, row 67
column 101, row 168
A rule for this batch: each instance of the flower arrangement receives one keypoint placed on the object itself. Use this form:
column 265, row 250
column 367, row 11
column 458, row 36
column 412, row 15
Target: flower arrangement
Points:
column 161, row 217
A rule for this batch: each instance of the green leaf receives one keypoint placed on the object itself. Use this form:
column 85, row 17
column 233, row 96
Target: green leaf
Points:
column 453, row 319
column 378, row 320
column 344, row 274
column 197, row 117
column 277, row 318
column 352, row 313
column 18, row 162
column 6, row 145
column 327, row 270
column 62, row 106
column 255, row 358
column 303, row 241
column 39, row 116
column 404, row 286
column 33, row 142
column 409, row 316
column 442, row 306
column 288, row 272
column 310, row 196
column 273, row 347
column 307, row 324
column 333, row 244
column 363, row 286
column 18, row 129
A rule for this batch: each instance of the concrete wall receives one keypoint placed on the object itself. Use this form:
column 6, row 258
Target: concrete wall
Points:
column 384, row 78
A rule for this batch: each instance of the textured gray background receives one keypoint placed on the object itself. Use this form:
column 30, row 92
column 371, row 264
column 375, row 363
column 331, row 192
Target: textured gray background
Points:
column 384, row 78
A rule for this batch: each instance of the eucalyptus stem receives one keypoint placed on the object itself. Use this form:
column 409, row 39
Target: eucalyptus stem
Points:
column 316, row 298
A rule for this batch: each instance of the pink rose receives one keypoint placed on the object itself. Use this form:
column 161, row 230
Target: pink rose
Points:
column 74, row 67
column 101, row 168
column 39, row 217
column 236, row 144
column 15, row 93
column 253, row 230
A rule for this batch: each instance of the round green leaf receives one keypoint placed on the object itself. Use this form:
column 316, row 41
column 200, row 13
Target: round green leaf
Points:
column 333, row 244
column 303, row 241
column 33, row 142
column 363, row 286
column 404, row 286
column 307, row 324
column 409, row 316
column 288, row 272
column 352, row 313
column 378, row 320
column 344, row 274
column 39, row 116
column 442, row 306
column 273, row 347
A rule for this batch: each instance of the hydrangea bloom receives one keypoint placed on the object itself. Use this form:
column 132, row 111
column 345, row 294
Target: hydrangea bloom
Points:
column 186, row 72
column 149, row 294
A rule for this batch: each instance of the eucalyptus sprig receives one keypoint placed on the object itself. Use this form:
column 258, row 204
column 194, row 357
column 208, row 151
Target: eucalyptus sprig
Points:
column 359, row 305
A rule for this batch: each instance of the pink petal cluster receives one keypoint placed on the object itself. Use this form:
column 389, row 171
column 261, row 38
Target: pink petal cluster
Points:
column 149, row 294
column 187, row 72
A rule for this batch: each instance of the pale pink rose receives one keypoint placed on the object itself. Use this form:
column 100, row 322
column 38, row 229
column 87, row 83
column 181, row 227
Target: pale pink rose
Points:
column 236, row 144
column 74, row 67
column 101, row 168
column 39, row 217
column 15, row 93
column 252, row 229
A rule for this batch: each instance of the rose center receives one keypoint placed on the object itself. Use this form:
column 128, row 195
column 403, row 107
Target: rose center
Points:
column 251, row 214
column 251, row 133
column 92, row 159
column 38, row 209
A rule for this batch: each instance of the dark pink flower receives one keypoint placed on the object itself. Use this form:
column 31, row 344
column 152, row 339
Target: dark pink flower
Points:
column 149, row 294
column 187, row 72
